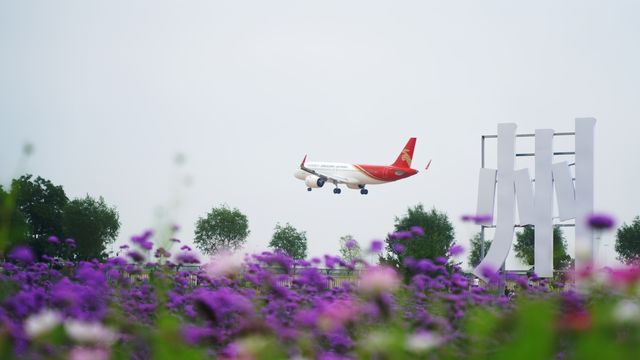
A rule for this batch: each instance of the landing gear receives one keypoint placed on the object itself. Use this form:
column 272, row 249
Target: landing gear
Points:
column 337, row 191
column 364, row 191
column 308, row 189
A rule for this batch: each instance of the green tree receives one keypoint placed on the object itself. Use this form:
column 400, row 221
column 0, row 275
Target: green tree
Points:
column 628, row 241
column 475, row 254
column 524, row 247
column 288, row 239
column 42, row 204
column 349, row 248
column 92, row 224
column 221, row 228
column 13, row 226
column 435, row 242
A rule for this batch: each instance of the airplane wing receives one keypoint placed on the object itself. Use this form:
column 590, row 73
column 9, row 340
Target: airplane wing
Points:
column 331, row 178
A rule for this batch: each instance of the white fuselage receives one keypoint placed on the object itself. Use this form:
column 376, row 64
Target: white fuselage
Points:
column 341, row 170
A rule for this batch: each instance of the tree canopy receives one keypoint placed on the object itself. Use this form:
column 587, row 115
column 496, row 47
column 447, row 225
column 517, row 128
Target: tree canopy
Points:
column 221, row 228
column 475, row 253
column 34, row 209
column 435, row 242
column 524, row 247
column 289, row 240
column 628, row 241
column 92, row 224
column 41, row 203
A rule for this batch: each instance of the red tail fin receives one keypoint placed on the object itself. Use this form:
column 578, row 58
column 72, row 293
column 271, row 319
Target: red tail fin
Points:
column 405, row 157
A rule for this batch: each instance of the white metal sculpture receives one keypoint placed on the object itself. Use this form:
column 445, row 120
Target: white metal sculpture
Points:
column 535, row 206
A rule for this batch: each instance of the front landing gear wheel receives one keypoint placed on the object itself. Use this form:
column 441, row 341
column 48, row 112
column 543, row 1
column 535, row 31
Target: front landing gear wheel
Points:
column 308, row 189
column 364, row 191
column 337, row 191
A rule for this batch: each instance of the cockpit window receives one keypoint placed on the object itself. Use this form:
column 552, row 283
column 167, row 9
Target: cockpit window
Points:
column 399, row 172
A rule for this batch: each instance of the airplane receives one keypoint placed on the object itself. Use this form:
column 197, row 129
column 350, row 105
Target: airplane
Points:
column 357, row 176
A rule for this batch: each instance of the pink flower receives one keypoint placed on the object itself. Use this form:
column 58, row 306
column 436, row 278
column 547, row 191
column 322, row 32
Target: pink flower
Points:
column 377, row 279
column 224, row 264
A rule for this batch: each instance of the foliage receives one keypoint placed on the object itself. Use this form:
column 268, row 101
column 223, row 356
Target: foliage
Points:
column 37, row 213
column 433, row 238
column 222, row 228
column 475, row 253
column 524, row 247
column 349, row 248
column 13, row 226
column 289, row 240
column 41, row 204
column 628, row 241
column 92, row 224
column 266, row 309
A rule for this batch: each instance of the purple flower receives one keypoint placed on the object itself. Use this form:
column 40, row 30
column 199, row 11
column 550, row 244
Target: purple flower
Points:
column 456, row 250
column 70, row 243
column 417, row 230
column 192, row 334
column 22, row 254
column 185, row 248
column 125, row 246
column 53, row 240
column 376, row 246
column 399, row 235
column 161, row 252
column 143, row 240
column 398, row 248
column 187, row 258
column 478, row 219
column 441, row 260
column 350, row 244
column 600, row 221
column 425, row 265
column 135, row 256
column 175, row 240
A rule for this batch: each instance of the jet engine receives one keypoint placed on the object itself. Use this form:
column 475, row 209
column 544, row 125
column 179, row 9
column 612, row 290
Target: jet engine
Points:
column 313, row 181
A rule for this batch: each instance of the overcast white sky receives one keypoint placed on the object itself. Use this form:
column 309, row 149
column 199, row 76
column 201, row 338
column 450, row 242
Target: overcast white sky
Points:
column 110, row 91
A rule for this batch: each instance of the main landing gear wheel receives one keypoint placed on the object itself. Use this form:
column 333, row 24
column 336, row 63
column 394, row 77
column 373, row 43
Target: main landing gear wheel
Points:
column 364, row 191
column 337, row 191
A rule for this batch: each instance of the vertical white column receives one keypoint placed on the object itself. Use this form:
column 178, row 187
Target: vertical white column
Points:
column 506, row 201
column 565, row 193
column 524, row 197
column 584, row 190
column 486, row 193
column 543, row 204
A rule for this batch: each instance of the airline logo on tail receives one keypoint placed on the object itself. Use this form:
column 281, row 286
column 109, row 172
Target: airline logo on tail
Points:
column 406, row 157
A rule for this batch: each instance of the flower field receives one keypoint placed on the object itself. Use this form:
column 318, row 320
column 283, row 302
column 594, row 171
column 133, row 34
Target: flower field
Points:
column 269, row 306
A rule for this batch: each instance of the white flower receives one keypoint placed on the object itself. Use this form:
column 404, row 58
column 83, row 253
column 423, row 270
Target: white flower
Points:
column 224, row 264
column 626, row 311
column 422, row 342
column 377, row 279
column 41, row 323
column 89, row 332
